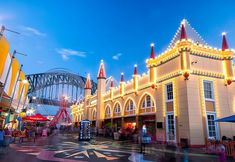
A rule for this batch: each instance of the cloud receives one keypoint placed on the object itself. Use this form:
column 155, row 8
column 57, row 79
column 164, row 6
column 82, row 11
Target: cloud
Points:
column 40, row 62
column 66, row 53
column 4, row 17
column 116, row 57
column 34, row 31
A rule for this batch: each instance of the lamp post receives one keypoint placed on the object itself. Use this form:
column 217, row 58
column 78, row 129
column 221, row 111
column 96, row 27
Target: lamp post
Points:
column 1, row 31
column 3, row 28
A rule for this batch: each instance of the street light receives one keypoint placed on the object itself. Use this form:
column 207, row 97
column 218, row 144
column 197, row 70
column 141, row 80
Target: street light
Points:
column 3, row 28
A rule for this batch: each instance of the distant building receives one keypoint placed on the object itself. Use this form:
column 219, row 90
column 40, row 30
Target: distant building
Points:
column 185, row 89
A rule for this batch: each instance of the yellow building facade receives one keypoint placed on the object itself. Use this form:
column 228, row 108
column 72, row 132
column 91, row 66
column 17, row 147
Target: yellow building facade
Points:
column 14, row 84
column 185, row 89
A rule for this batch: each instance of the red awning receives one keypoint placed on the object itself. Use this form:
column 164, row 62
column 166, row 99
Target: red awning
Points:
column 36, row 117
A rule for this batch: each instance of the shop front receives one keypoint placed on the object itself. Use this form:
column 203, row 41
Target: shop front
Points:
column 117, row 124
column 4, row 109
column 129, row 122
column 150, row 122
column 107, row 123
column 93, row 123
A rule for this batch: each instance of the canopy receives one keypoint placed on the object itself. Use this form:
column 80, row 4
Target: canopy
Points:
column 36, row 117
column 227, row 119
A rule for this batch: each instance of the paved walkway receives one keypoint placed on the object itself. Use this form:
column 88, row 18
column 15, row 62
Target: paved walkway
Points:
column 66, row 148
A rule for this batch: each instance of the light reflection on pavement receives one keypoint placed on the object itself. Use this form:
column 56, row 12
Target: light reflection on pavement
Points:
column 67, row 148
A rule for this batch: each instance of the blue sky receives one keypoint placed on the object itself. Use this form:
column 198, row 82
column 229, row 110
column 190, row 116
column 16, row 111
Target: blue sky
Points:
column 76, row 35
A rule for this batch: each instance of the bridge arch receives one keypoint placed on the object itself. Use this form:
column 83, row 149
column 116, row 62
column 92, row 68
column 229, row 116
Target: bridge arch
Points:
column 49, row 86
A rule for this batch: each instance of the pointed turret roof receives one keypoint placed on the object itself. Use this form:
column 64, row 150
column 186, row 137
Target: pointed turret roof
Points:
column 152, row 55
column 88, row 82
column 224, row 42
column 101, row 72
column 135, row 70
column 185, row 31
column 111, row 83
column 183, row 34
column 122, row 77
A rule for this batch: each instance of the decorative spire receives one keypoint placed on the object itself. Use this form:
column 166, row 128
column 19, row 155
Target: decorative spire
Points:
column 152, row 55
column 88, row 82
column 224, row 42
column 111, row 83
column 135, row 70
column 101, row 72
column 122, row 77
column 183, row 34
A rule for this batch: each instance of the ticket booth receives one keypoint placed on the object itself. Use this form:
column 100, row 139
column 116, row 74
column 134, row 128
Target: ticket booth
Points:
column 85, row 130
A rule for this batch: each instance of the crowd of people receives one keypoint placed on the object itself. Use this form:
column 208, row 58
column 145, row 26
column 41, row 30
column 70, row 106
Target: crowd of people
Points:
column 27, row 131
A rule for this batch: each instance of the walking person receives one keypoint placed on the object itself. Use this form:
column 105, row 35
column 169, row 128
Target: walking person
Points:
column 220, row 150
column 2, row 136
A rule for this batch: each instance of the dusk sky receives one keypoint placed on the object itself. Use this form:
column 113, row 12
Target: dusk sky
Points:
column 76, row 35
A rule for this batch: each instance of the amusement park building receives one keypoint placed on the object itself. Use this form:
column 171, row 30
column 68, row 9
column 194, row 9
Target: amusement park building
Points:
column 185, row 89
column 13, row 83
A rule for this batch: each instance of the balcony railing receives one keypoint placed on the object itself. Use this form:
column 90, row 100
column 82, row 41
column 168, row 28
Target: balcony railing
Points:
column 146, row 110
column 117, row 114
column 128, row 113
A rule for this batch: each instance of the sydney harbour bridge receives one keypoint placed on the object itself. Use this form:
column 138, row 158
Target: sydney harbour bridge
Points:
column 47, row 88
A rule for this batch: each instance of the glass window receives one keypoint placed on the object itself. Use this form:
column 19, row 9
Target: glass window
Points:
column 211, row 126
column 117, row 108
column 208, row 89
column 143, row 104
column 148, row 100
column 107, row 111
column 130, row 106
column 170, row 127
column 169, row 91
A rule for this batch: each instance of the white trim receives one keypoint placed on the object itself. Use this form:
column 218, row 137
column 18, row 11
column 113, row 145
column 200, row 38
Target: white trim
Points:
column 144, row 100
column 216, row 125
column 212, row 90
column 167, row 129
column 166, row 97
column 128, row 106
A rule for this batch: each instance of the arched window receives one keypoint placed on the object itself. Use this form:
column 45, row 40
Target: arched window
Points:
column 117, row 110
column 147, row 104
column 108, row 112
column 130, row 108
